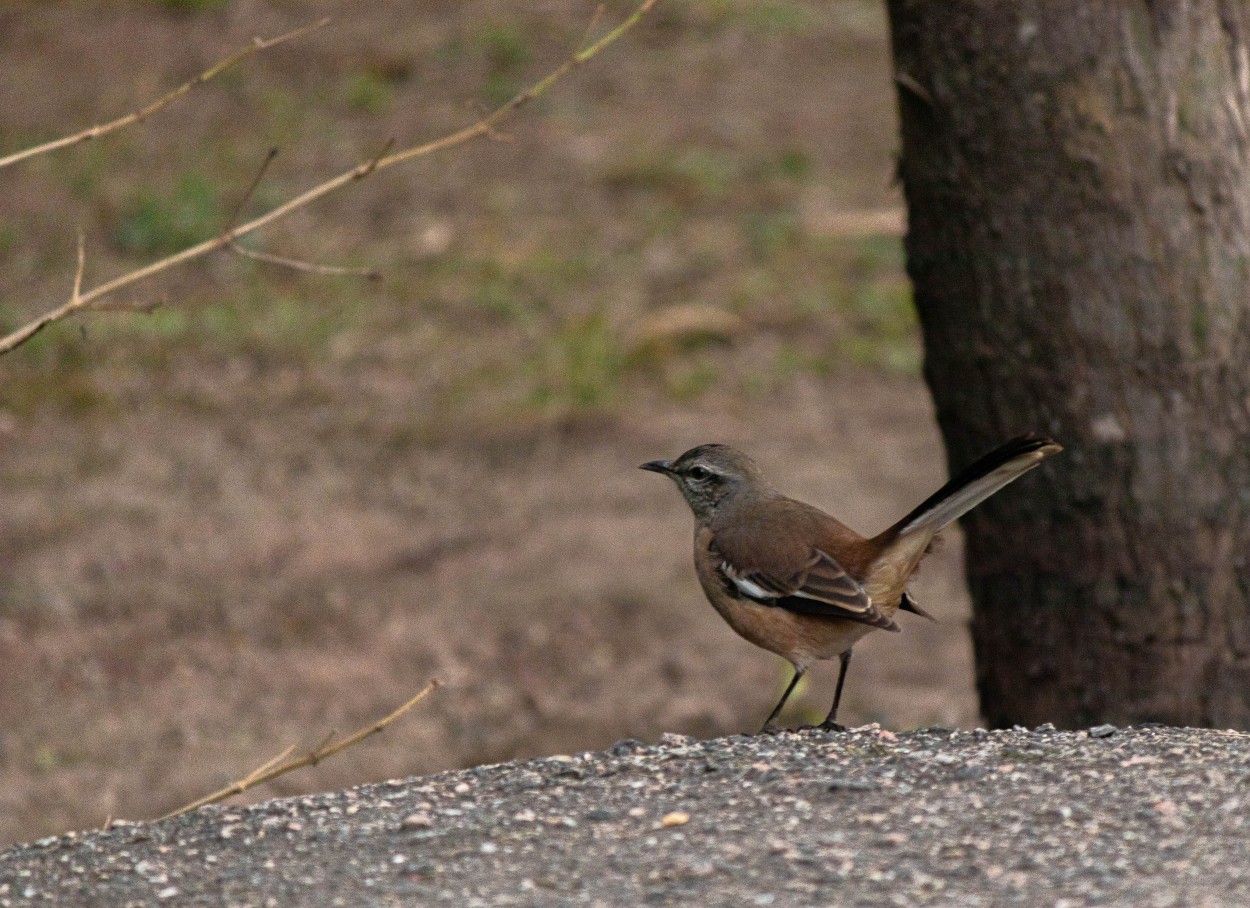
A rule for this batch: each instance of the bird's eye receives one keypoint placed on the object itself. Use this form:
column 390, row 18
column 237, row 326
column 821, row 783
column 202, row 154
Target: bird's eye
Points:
column 700, row 474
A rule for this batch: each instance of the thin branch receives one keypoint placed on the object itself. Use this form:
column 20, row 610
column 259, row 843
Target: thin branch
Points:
column 283, row 261
column 246, row 197
column 82, row 266
column 281, row 764
column 592, row 25
column 483, row 126
column 146, row 307
column 907, row 81
column 94, row 132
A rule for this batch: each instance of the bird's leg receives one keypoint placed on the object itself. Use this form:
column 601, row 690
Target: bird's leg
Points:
column 831, row 721
column 768, row 724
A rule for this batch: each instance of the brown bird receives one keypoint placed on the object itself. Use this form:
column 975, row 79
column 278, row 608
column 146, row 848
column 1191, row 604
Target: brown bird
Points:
column 795, row 581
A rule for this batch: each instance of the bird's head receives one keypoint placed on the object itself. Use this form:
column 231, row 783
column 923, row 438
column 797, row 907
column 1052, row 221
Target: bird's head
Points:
column 708, row 476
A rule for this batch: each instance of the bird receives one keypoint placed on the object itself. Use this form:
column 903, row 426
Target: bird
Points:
column 793, row 580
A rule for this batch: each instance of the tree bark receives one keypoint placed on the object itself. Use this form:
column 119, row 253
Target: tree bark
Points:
column 1078, row 183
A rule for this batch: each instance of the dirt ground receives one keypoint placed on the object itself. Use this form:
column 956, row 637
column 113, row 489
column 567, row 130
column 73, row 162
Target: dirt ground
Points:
column 281, row 503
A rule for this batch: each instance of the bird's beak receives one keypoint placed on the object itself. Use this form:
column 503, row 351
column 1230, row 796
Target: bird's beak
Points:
column 658, row 466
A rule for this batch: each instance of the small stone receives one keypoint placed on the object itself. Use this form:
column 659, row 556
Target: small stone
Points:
column 167, row 893
column 416, row 821
column 670, row 739
column 676, row 818
column 626, row 747
column 852, row 785
column 461, row 788
column 1102, row 731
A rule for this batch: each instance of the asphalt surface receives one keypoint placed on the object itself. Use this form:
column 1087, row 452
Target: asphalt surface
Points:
column 1140, row 817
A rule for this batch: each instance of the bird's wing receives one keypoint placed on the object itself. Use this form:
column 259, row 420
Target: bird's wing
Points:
column 821, row 588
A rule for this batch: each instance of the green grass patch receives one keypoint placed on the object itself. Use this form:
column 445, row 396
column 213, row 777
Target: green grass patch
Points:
column 191, row 6
column 578, row 366
column 370, row 92
column 506, row 49
column 770, row 231
column 878, row 303
column 685, row 175
column 162, row 223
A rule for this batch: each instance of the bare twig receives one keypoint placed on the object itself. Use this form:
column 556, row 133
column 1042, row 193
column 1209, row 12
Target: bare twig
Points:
column 284, row 261
column 251, row 189
column 94, row 132
column 592, row 25
column 282, row 764
column 82, row 266
column 300, row 265
column 907, row 81
column 481, row 127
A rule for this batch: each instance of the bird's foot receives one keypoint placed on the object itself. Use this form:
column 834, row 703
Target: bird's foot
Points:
column 823, row 726
column 771, row 728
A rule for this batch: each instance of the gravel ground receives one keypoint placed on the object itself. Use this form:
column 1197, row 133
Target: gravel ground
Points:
column 1148, row 816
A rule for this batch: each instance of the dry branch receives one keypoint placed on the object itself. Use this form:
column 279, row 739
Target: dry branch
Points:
column 94, row 132
column 482, row 127
column 283, row 261
column 281, row 764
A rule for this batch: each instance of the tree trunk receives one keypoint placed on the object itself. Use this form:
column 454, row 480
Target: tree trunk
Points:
column 1078, row 182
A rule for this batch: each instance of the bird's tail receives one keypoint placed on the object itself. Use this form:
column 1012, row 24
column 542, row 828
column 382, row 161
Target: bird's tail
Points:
column 974, row 484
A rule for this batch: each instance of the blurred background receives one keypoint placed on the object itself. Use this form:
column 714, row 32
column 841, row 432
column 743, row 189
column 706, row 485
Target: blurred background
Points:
column 280, row 503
